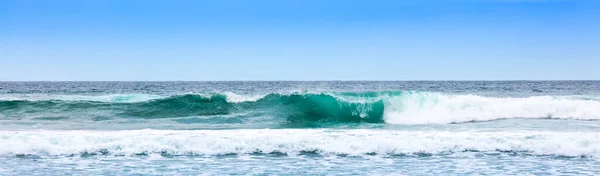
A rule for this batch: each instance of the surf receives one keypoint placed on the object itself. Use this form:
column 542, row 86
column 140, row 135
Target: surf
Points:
column 303, row 108
column 357, row 142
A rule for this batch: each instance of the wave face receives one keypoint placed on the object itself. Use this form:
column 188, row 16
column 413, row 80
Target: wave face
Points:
column 295, row 141
column 291, row 108
column 393, row 107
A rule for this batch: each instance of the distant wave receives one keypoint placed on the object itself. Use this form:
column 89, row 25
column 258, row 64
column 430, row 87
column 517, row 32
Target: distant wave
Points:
column 114, row 98
column 293, row 142
column 393, row 107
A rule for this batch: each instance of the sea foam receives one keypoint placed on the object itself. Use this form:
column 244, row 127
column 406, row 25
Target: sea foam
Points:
column 356, row 142
column 425, row 108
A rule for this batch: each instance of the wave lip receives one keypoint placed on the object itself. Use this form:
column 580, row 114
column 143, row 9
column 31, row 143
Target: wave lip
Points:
column 230, row 97
column 357, row 142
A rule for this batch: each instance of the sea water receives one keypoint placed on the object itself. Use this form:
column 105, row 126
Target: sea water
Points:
column 300, row 128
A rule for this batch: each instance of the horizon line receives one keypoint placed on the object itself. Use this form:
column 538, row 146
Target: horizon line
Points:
column 296, row 80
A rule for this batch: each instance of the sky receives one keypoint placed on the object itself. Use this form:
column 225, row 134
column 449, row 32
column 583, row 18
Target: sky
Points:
column 207, row 40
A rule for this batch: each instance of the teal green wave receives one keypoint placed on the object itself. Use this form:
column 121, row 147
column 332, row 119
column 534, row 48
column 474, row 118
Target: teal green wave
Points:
column 292, row 108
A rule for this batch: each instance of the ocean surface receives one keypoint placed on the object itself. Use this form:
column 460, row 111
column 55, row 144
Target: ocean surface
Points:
column 300, row 128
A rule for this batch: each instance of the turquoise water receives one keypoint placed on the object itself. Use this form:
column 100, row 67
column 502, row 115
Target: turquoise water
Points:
column 311, row 128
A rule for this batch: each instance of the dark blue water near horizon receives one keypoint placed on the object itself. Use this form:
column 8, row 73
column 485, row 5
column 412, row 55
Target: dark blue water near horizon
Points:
column 508, row 88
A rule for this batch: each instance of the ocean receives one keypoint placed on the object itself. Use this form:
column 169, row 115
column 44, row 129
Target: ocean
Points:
column 300, row 128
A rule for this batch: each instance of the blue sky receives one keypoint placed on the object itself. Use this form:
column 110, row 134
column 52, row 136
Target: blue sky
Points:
column 141, row 40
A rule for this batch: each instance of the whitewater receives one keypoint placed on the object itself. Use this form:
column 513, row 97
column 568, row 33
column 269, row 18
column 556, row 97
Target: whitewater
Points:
column 308, row 128
column 294, row 142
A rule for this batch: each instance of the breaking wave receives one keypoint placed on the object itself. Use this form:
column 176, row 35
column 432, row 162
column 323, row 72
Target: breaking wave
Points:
column 393, row 107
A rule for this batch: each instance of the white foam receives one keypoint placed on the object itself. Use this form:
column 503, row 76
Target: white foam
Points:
column 237, row 98
column 425, row 108
column 293, row 141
